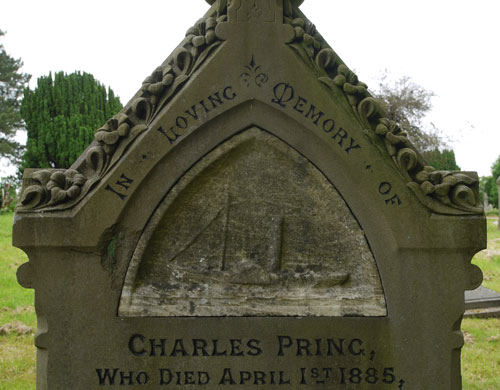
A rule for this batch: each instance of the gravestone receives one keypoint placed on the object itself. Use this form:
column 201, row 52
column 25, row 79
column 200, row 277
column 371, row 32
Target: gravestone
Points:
column 498, row 185
column 250, row 219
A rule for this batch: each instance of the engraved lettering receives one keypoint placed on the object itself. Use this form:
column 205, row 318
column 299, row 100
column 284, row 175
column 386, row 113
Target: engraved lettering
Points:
column 215, row 99
column 202, row 103
column 227, row 377
column 284, row 342
column 385, row 188
column 167, row 377
column 371, row 376
column 200, row 344
column 341, row 135
column 315, row 117
column 356, row 351
column 111, row 189
column 355, row 376
column 236, row 347
column 189, row 378
column 283, row 380
column 106, row 376
column 136, row 349
column 338, row 347
column 179, row 348
column 124, row 377
column 299, row 106
column 192, row 112
column 165, row 380
column 226, row 94
column 394, row 201
column 318, row 347
column 124, row 182
column 343, row 376
column 181, row 122
column 142, row 378
column 352, row 146
column 254, row 349
column 283, row 93
column 260, row 378
column 245, row 376
column 303, row 376
column 389, row 377
column 303, row 345
column 216, row 352
column 208, row 104
column 203, row 378
column 155, row 345
column 171, row 135
column 328, row 126
column 130, row 378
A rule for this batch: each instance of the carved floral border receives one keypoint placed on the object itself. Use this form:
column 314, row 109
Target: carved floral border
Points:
column 442, row 192
column 63, row 188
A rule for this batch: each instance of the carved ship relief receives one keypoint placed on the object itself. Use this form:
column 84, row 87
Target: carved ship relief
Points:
column 234, row 238
column 271, row 271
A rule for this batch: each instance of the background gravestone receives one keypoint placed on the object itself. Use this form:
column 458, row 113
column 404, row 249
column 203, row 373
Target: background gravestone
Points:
column 498, row 184
column 250, row 218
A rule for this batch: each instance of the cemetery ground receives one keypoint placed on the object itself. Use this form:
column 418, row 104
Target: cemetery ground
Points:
column 480, row 356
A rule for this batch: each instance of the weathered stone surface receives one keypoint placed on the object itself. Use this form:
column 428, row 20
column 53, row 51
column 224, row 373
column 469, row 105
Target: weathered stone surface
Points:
column 251, row 218
column 253, row 229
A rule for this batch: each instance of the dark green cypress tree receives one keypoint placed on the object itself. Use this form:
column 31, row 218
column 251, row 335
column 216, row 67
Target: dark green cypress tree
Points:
column 442, row 160
column 62, row 114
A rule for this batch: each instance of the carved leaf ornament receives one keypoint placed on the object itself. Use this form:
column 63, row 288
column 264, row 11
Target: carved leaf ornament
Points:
column 440, row 191
column 54, row 188
column 64, row 188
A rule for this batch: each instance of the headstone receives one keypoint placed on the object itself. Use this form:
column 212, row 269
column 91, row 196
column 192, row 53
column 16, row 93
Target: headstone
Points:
column 250, row 219
column 498, row 184
column 480, row 298
column 482, row 303
column 486, row 203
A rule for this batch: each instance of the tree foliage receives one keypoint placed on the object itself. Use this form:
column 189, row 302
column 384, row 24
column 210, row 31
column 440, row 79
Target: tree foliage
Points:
column 12, row 84
column 408, row 103
column 489, row 185
column 441, row 160
column 62, row 114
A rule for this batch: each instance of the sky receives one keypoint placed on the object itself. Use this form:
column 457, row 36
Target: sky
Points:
column 450, row 47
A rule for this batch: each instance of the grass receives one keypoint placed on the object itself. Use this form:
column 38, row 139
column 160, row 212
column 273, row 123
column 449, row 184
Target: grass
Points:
column 480, row 355
column 489, row 259
column 17, row 317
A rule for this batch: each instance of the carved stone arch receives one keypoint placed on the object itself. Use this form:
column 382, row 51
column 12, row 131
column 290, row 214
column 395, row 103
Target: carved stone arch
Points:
column 235, row 237
column 319, row 151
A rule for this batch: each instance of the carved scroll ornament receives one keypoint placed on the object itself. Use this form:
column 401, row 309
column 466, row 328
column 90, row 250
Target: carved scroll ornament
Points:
column 441, row 192
column 62, row 189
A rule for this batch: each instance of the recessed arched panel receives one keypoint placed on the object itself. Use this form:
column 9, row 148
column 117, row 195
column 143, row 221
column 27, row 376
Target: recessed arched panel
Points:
column 253, row 229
